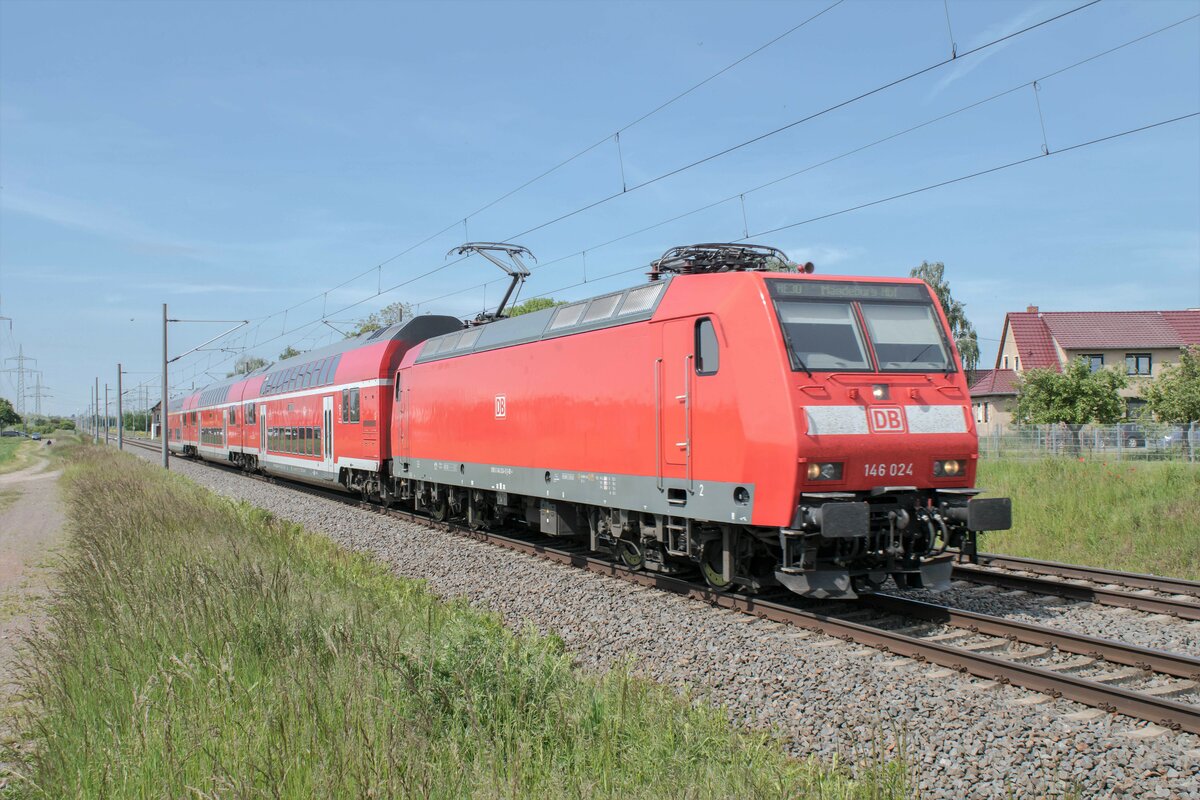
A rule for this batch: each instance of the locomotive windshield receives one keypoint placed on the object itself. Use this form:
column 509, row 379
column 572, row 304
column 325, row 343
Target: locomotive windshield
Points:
column 860, row 326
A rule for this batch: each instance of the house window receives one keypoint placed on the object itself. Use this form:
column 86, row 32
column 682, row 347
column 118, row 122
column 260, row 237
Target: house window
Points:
column 1006, row 362
column 1137, row 363
column 1017, row 363
column 707, row 354
column 1095, row 361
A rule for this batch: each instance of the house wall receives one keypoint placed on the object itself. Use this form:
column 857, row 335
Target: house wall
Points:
column 1159, row 357
column 1008, row 357
column 993, row 411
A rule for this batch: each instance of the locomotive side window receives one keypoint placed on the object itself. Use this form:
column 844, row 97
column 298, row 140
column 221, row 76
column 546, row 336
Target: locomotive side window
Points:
column 822, row 335
column 707, row 351
column 906, row 337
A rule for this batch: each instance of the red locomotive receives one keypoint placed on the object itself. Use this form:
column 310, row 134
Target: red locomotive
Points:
column 766, row 427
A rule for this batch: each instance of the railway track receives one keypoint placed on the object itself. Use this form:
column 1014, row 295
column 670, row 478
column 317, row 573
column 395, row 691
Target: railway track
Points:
column 1147, row 593
column 1045, row 660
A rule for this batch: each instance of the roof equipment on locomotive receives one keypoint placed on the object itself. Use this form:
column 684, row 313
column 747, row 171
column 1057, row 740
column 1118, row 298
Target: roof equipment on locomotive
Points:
column 516, row 270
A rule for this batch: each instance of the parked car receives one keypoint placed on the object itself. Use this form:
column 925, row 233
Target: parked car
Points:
column 37, row 437
column 1177, row 436
column 10, row 433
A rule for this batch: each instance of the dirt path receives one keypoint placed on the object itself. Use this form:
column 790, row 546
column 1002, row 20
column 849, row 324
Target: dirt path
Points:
column 31, row 531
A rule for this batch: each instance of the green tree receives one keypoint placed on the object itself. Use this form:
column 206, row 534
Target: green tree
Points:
column 961, row 328
column 1175, row 396
column 534, row 304
column 290, row 352
column 247, row 364
column 8, row 414
column 388, row 315
column 1074, row 397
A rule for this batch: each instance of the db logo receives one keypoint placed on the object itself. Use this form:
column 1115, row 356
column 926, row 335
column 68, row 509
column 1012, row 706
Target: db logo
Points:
column 887, row 420
column 501, row 406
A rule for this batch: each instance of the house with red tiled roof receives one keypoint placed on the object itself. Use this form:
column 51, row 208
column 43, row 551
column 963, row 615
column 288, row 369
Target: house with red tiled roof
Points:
column 1140, row 343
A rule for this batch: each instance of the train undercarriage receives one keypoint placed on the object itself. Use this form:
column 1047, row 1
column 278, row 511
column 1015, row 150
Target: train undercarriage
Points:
column 837, row 547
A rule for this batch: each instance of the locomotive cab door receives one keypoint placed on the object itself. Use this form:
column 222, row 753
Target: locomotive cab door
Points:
column 327, row 432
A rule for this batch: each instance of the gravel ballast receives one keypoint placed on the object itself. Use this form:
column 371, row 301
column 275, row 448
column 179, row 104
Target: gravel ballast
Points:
column 961, row 736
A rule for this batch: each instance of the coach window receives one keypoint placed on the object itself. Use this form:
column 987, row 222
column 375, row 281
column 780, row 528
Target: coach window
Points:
column 708, row 358
column 349, row 405
column 248, row 415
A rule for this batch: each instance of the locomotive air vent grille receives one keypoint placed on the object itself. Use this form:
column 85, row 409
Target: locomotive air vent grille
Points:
column 567, row 316
column 640, row 300
column 469, row 338
column 602, row 308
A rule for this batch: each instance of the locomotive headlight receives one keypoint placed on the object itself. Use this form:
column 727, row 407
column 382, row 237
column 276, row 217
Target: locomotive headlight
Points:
column 946, row 469
column 879, row 391
column 830, row 471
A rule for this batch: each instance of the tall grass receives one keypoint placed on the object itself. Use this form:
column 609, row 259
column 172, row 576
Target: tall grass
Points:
column 200, row 648
column 1143, row 517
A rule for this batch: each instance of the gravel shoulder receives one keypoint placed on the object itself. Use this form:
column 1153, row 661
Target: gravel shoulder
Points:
column 963, row 737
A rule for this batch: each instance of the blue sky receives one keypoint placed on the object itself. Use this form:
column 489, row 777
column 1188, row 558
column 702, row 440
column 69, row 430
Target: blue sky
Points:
column 234, row 160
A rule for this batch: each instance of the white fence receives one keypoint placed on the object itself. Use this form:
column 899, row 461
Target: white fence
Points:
column 1136, row 441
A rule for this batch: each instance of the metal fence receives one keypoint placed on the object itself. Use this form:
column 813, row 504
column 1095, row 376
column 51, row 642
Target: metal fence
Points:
column 1133, row 441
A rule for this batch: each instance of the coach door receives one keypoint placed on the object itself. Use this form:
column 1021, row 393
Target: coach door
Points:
column 400, row 403
column 327, row 431
column 262, row 429
column 673, row 386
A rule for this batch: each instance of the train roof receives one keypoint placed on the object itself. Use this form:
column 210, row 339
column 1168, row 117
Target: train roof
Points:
column 321, row 363
column 622, row 307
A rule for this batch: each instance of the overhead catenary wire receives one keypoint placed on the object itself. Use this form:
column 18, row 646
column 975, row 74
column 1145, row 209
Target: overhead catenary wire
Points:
column 930, row 187
column 627, row 126
column 701, row 161
column 809, row 118
column 974, row 50
column 795, row 173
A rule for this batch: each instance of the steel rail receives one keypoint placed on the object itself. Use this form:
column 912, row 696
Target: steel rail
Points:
column 1145, row 658
column 1096, row 594
column 1133, row 580
column 1114, row 699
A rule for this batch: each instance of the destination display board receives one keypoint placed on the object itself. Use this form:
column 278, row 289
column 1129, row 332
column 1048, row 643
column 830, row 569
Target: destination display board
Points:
column 847, row 290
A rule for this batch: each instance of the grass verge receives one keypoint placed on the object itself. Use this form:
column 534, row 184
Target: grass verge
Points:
column 1141, row 517
column 16, row 453
column 201, row 648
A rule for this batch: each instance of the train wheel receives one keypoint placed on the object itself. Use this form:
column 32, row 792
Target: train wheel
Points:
column 710, row 566
column 439, row 510
column 630, row 554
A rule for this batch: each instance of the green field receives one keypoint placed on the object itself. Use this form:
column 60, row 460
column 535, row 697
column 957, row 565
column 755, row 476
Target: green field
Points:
column 1141, row 517
column 200, row 648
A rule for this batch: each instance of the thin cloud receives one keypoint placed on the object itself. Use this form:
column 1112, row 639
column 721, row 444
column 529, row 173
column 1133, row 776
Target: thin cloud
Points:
column 69, row 213
column 994, row 31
